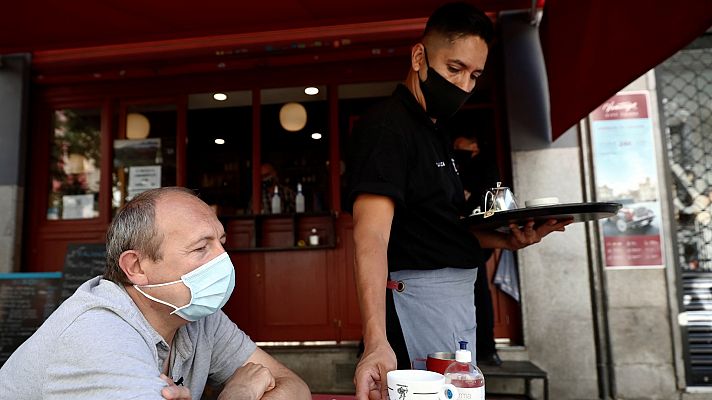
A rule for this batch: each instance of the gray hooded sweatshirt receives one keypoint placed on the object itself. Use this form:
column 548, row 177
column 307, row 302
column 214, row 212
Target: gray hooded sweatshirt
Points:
column 98, row 345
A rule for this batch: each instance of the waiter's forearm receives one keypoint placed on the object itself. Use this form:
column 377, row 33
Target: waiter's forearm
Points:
column 373, row 216
column 371, row 270
column 491, row 239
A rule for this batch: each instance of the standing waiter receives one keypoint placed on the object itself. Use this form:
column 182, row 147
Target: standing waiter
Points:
column 415, row 262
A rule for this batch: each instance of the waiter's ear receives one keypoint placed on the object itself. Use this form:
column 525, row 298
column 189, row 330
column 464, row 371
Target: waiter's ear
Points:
column 417, row 57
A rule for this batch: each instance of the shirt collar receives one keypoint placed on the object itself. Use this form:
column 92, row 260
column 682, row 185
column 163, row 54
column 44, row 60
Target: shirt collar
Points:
column 411, row 104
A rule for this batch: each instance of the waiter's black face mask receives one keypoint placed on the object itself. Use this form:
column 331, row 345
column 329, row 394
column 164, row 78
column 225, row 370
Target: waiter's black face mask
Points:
column 442, row 98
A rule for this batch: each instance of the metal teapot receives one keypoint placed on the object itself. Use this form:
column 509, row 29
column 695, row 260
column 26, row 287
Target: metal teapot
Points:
column 499, row 198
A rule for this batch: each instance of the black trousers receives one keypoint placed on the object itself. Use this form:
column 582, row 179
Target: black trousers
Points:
column 394, row 333
column 484, row 312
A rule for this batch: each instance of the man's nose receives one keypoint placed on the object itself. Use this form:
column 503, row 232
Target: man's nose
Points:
column 466, row 84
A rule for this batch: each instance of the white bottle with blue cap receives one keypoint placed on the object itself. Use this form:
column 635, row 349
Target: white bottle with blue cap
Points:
column 465, row 376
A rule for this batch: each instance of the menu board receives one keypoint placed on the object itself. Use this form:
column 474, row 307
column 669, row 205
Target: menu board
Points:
column 26, row 300
column 82, row 262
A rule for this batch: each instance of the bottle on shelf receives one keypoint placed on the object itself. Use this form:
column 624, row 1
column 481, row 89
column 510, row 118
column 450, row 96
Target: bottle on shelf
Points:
column 314, row 238
column 467, row 378
column 276, row 201
column 299, row 199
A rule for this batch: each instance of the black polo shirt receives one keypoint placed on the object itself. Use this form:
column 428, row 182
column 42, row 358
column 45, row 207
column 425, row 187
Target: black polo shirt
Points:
column 397, row 151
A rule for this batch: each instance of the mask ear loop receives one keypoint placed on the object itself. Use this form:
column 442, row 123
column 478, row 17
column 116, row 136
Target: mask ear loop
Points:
column 425, row 54
column 157, row 300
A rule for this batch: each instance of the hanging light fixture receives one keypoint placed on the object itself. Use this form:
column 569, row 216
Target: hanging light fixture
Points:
column 293, row 117
column 137, row 126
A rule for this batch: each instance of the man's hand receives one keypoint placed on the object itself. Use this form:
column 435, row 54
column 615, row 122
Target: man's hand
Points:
column 249, row 382
column 174, row 392
column 520, row 238
column 370, row 377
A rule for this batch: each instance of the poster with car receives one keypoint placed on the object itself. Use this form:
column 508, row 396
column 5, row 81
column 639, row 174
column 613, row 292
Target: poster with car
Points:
column 625, row 169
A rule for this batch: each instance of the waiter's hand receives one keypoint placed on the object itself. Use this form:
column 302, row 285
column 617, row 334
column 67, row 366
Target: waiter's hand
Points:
column 527, row 235
column 370, row 377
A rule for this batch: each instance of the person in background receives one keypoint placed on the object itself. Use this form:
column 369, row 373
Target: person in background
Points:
column 270, row 180
column 415, row 262
column 151, row 327
column 478, row 176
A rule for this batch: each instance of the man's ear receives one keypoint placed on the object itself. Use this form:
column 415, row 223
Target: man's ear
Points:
column 130, row 263
column 417, row 54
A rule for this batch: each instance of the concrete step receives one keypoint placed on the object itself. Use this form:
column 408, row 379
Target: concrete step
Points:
column 325, row 368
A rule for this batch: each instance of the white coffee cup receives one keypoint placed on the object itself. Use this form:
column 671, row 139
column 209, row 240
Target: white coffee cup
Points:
column 542, row 201
column 413, row 384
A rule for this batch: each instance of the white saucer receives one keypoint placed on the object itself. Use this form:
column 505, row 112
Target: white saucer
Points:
column 541, row 201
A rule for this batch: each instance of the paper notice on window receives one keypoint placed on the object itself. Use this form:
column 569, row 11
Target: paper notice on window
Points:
column 143, row 178
column 78, row 206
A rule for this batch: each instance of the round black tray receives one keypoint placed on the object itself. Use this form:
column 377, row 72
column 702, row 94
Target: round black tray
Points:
column 579, row 212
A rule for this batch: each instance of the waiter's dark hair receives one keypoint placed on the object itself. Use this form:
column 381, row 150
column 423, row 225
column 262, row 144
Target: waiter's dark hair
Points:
column 454, row 20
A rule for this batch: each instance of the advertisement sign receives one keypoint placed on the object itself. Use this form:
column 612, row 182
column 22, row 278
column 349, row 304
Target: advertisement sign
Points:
column 625, row 169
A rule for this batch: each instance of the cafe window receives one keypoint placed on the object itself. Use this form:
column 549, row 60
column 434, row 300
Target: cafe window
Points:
column 219, row 150
column 294, row 126
column 145, row 152
column 75, row 159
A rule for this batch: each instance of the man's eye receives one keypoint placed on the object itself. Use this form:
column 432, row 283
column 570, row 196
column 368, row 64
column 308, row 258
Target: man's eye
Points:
column 452, row 69
column 201, row 248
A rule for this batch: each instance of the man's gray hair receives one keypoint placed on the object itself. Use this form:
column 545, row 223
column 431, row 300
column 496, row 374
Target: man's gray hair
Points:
column 134, row 228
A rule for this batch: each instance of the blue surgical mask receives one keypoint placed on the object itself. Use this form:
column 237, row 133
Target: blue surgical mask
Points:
column 210, row 286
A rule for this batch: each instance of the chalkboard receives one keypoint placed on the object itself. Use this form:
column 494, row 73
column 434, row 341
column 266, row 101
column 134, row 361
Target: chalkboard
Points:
column 26, row 300
column 82, row 262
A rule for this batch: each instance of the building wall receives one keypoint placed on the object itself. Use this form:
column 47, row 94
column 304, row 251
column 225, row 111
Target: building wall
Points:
column 639, row 306
column 556, row 300
column 13, row 105
column 642, row 306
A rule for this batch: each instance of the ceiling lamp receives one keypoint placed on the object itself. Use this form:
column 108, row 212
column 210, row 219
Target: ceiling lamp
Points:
column 219, row 141
column 137, row 126
column 316, row 135
column 293, row 117
column 220, row 96
column 311, row 90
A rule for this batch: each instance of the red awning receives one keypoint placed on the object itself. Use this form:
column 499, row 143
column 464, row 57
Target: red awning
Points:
column 29, row 26
column 593, row 49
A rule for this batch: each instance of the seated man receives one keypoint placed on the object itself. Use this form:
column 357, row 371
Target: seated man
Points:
column 153, row 321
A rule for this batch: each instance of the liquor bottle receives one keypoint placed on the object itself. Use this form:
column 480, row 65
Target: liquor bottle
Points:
column 314, row 238
column 276, row 201
column 299, row 199
column 467, row 378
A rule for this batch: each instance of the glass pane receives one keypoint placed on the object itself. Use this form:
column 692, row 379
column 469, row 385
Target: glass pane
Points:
column 75, row 164
column 146, row 158
column 295, row 148
column 220, row 150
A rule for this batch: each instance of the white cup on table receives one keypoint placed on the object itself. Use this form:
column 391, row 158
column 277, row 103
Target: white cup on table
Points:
column 413, row 384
